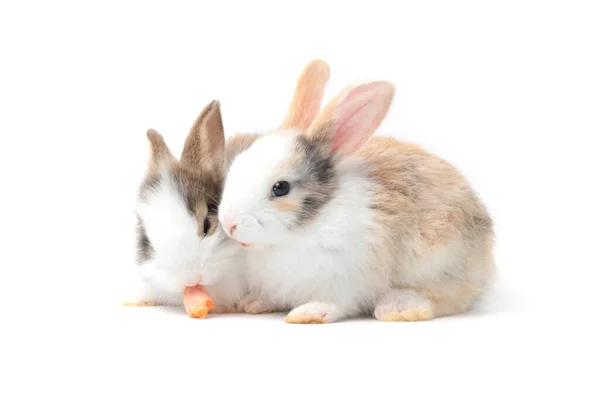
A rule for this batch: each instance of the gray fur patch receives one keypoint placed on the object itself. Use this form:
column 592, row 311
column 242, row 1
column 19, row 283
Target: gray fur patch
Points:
column 144, row 247
column 318, row 178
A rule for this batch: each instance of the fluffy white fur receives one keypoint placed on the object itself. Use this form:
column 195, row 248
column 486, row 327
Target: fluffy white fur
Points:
column 181, row 256
column 255, row 213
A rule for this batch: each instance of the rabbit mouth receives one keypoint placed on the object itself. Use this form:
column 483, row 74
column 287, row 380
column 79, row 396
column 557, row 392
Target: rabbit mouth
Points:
column 244, row 244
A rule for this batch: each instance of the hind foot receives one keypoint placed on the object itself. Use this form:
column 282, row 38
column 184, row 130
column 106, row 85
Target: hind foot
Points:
column 404, row 305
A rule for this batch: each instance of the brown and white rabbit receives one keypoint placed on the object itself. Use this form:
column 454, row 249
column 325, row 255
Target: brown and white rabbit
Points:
column 339, row 224
column 180, row 242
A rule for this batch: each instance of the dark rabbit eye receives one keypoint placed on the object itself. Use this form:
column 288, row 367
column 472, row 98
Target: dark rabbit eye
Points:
column 212, row 208
column 206, row 226
column 281, row 188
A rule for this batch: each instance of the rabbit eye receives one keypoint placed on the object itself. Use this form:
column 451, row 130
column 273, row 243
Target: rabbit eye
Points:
column 280, row 189
column 206, row 226
column 212, row 208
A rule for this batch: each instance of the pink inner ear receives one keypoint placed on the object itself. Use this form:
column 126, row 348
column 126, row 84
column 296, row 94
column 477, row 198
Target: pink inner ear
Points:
column 345, row 131
column 358, row 114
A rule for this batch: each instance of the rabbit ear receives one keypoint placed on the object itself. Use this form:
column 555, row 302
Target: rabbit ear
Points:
column 307, row 98
column 204, row 147
column 348, row 121
column 159, row 152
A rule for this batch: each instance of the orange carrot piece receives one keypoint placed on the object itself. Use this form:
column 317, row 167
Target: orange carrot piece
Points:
column 197, row 301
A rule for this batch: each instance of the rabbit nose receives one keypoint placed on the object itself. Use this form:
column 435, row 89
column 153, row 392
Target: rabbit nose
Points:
column 229, row 225
column 231, row 228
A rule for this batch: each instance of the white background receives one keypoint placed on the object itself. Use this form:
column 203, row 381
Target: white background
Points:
column 507, row 91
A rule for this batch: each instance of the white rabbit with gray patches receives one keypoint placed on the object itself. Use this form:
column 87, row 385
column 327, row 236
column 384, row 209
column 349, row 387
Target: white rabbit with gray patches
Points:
column 339, row 224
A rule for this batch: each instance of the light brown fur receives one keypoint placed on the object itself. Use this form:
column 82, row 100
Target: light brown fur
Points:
column 451, row 299
column 159, row 151
column 289, row 204
column 307, row 97
column 422, row 188
column 203, row 149
column 423, row 205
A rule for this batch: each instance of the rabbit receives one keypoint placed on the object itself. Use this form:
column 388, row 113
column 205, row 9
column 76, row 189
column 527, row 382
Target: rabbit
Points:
column 179, row 239
column 177, row 248
column 338, row 223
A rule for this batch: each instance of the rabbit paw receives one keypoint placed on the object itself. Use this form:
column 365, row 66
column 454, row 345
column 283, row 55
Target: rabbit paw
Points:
column 313, row 313
column 253, row 305
column 403, row 305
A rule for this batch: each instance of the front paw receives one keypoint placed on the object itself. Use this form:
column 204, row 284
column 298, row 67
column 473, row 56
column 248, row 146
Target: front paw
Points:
column 313, row 313
column 254, row 305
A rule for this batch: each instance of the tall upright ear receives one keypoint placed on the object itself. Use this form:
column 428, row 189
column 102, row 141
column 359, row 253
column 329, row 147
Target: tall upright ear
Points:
column 350, row 119
column 159, row 152
column 204, row 147
column 306, row 102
